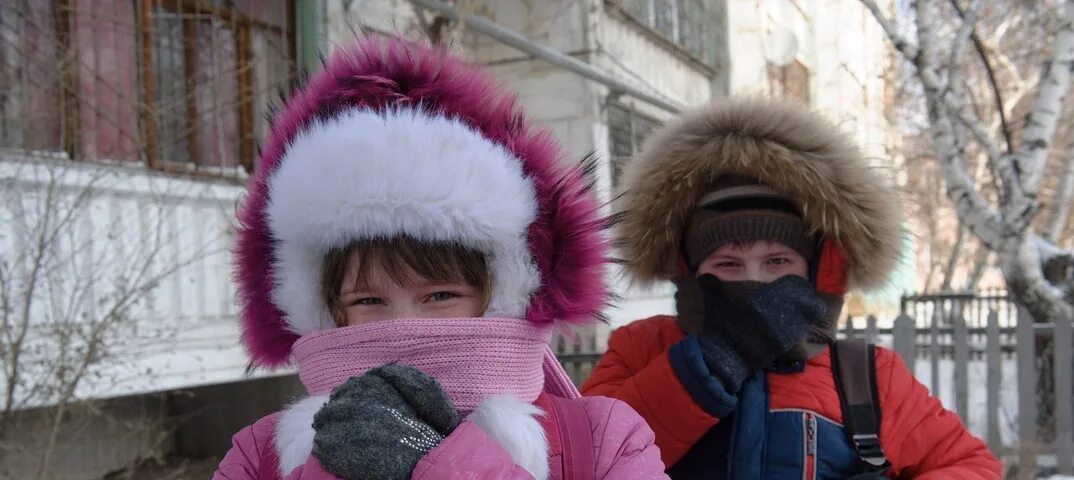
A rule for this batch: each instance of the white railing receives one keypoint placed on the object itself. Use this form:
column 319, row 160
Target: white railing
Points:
column 163, row 238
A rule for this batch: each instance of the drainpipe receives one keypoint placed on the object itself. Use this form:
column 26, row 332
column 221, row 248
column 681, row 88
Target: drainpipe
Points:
column 310, row 20
column 512, row 39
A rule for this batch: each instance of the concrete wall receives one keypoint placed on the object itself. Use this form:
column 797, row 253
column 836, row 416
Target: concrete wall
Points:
column 89, row 443
column 208, row 416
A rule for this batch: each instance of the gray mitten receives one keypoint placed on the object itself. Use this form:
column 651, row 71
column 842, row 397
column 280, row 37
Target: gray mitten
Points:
column 380, row 424
column 747, row 330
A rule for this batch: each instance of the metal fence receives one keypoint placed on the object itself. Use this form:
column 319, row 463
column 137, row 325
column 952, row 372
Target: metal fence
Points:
column 1026, row 367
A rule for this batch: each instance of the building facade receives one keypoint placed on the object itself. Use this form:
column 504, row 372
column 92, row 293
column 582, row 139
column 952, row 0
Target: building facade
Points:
column 141, row 120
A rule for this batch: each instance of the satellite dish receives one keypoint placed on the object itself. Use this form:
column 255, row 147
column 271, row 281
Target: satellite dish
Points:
column 782, row 47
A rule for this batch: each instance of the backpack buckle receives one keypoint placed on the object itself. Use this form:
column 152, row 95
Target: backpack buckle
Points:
column 868, row 447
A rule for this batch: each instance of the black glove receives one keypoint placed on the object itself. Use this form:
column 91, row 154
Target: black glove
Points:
column 380, row 424
column 747, row 327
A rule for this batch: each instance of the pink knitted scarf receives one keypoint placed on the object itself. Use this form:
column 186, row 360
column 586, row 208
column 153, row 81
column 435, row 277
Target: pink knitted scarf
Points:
column 472, row 358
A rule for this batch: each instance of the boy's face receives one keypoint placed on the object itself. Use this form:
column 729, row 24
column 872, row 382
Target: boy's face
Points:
column 385, row 299
column 761, row 261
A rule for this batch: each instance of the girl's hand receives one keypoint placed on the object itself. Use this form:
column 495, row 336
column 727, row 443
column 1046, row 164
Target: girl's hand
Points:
column 380, row 424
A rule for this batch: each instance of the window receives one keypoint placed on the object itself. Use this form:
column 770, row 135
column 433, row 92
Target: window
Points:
column 789, row 81
column 690, row 24
column 212, row 69
column 30, row 87
column 626, row 131
column 178, row 85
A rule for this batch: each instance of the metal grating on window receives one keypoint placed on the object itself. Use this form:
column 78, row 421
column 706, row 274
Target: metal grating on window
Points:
column 639, row 9
column 620, row 140
column 178, row 85
column 687, row 23
column 627, row 130
column 169, row 94
column 664, row 18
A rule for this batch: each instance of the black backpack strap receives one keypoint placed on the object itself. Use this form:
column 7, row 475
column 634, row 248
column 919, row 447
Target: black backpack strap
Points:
column 854, row 368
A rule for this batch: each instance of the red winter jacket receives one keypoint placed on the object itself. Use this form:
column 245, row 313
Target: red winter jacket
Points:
column 921, row 438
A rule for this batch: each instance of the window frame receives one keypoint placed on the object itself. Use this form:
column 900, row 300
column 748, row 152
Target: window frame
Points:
column 241, row 27
column 706, row 60
column 780, row 80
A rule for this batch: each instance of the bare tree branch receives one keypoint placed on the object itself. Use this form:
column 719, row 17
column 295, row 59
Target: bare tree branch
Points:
column 976, row 213
column 969, row 20
column 952, row 260
column 908, row 49
column 983, row 261
column 1040, row 126
column 954, row 102
column 1060, row 211
column 978, row 45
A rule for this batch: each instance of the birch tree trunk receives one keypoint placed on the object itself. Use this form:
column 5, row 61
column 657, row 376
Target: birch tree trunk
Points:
column 1038, row 271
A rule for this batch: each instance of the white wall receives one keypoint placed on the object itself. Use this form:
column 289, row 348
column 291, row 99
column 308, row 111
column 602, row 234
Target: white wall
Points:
column 841, row 45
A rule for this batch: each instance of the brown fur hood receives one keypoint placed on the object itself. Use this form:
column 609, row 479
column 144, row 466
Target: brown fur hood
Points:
column 795, row 151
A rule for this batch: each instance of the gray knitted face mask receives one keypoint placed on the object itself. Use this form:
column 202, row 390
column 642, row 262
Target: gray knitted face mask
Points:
column 690, row 306
column 738, row 292
column 690, row 303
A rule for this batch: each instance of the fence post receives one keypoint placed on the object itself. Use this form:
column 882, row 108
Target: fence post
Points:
column 934, row 352
column 994, row 359
column 849, row 331
column 903, row 340
column 1064, row 397
column 1027, row 394
column 962, row 360
column 872, row 332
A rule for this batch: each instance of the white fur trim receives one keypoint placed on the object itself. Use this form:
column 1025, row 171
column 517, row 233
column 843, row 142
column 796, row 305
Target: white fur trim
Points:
column 509, row 421
column 364, row 174
column 294, row 433
column 513, row 424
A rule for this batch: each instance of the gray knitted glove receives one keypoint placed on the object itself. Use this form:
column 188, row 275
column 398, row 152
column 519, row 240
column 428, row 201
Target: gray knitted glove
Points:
column 744, row 333
column 380, row 424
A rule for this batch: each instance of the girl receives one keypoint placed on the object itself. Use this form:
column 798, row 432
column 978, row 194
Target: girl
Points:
column 407, row 242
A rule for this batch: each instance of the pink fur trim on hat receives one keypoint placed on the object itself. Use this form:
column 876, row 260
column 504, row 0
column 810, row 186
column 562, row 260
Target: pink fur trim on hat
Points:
column 565, row 240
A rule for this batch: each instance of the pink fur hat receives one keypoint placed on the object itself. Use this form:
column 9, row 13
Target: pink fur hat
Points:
column 392, row 138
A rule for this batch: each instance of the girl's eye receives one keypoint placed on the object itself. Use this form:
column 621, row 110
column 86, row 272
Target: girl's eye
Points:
column 779, row 261
column 369, row 301
column 726, row 265
column 442, row 296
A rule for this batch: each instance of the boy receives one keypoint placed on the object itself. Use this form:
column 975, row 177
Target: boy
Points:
column 764, row 215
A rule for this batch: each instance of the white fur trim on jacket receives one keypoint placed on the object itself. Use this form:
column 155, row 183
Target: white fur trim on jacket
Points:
column 513, row 424
column 294, row 433
column 364, row 175
column 508, row 420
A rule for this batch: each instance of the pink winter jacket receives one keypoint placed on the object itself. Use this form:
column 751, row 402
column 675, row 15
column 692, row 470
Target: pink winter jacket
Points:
column 623, row 446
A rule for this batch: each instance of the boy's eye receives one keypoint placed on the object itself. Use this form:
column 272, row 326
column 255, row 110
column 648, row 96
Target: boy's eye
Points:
column 369, row 301
column 442, row 296
column 779, row 261
column 726, row 265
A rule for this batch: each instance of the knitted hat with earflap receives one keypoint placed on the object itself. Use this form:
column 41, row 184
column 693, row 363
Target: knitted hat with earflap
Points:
column 739, row 210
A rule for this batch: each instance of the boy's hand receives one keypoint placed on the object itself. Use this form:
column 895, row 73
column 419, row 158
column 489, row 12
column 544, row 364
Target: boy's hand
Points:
column 742, row 335
column 380, row 424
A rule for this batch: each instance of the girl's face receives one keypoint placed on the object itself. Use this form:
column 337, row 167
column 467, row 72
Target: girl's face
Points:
column 383, row 298
column 761, row 261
